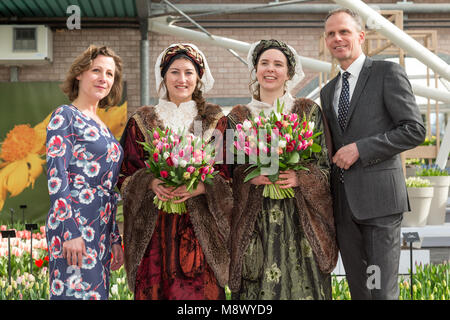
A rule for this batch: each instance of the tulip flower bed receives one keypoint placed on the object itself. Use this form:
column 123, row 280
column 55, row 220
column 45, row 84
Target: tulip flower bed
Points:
column 35, row 286
column 431, row 282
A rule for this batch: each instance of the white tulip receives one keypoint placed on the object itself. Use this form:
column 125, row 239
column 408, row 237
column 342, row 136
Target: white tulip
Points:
column 115, row 289
column 247, row 124
column 183, row 163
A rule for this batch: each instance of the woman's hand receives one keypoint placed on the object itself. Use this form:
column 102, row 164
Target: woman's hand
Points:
column 287, row 179
column 73, row 251
column 117, row 260
column 260, row 180
column 184, row 194
column 163, row 193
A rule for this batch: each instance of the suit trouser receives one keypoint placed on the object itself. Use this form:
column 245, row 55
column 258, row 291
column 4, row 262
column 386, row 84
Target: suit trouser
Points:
column 370, row 251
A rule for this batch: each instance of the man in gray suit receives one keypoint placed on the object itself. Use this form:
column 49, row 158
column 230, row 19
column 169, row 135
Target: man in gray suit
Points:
column 373, row 116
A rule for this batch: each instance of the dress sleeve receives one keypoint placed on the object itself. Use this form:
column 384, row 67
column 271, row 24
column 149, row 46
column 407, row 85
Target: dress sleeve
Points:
column 134, row 154
column 59, row 145
column 321, row 158
column 218, row 194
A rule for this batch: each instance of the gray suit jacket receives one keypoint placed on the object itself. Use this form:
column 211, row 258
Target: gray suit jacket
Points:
column 384, row 120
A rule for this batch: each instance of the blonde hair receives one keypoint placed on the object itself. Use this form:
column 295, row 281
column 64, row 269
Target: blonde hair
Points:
column 83, row 62
column 356, row 17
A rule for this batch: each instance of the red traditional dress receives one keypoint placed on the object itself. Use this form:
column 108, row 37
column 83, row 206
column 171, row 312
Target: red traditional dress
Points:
column 172, row 256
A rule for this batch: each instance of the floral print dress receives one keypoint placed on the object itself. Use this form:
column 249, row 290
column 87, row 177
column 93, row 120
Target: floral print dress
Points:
column 83, row 162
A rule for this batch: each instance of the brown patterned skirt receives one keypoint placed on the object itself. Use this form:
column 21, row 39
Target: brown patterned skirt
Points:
column 174, row 266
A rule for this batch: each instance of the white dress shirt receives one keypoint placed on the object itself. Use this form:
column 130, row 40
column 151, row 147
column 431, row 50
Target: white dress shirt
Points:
column 354, row 69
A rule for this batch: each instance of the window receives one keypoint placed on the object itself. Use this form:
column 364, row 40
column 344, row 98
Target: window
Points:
column 24, row 39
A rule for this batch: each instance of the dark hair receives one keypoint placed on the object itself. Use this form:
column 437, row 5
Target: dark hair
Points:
column 356, row 17
column 176, row 57
column 83, row 62
column 263, row 46
column 182, row 50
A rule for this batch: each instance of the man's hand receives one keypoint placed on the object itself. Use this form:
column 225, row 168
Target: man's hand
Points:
column 346, row 156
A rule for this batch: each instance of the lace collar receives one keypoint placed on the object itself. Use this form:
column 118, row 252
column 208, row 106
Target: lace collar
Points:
column 256, row 106
column 176, row 117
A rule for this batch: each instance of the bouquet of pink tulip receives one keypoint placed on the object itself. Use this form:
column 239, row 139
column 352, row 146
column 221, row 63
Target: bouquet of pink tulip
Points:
column 277, row 142
column 178, row 159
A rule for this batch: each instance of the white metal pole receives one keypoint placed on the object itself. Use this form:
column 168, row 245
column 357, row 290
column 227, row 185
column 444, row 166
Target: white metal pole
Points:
column 159, row 25
column 397, row 36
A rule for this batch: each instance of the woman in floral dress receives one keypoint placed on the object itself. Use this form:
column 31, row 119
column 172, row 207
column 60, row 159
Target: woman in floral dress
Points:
column 281, row 249
column 83, row 162
column 167, row 255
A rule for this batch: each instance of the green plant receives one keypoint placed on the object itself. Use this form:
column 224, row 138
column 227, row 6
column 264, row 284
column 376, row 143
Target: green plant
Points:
column 431, row 282
column 416, row 182
column 414, row 162
column 429, row 141
column 433, row 170
column 118, row 289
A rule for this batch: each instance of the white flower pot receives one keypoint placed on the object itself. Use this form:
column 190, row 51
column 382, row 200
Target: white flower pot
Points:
column 420, row 202
column 439, row 202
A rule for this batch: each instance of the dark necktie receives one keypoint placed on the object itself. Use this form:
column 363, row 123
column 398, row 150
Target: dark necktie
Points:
column 344, row 103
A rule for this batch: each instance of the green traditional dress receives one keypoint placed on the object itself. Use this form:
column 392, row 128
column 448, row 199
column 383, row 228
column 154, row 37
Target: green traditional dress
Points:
column 278, row 262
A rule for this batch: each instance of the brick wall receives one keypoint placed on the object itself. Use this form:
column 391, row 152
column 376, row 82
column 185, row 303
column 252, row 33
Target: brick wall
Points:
column 67, row 45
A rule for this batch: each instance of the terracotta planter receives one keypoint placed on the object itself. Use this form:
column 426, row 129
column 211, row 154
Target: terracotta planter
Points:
column 420, row 201
column 439, row 202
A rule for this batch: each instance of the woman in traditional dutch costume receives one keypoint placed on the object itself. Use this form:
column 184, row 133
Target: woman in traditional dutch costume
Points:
column 281, row 249
column 175, row 256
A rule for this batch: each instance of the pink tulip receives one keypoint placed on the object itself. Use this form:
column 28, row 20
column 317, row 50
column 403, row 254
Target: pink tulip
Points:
column 308, row 134
column 276, row 131
column 190, row 169
column 164, row 174
column 203, row 177
column 293, row 117
column 155, row 135
column 288, row 137
column 156, row 156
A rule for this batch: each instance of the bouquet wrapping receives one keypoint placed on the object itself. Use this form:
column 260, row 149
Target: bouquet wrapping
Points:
column 178, row 159
column 275, row 143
